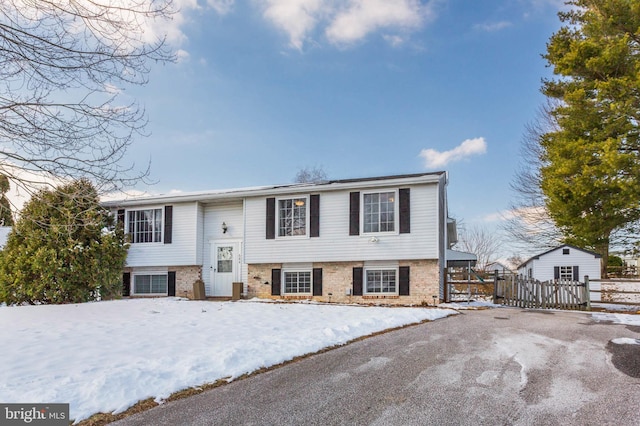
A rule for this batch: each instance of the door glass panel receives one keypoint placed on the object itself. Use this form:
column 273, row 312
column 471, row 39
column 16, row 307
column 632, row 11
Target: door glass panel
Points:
column 225, row 259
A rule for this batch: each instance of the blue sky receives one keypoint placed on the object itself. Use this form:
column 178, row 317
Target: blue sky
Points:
column 359, row 88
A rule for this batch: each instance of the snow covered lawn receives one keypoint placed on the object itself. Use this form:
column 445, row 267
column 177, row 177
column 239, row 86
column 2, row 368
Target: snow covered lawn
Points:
column 106, row 356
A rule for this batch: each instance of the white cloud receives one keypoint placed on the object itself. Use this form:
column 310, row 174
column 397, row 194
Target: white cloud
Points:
column 498, row 216
column 345, row 22
column 529, row 215
column 24, row 183
column 172, row 28
column 111, row 89
column 435, row 159
column 182, row 55
column 493, row 26
column 295, row 17
column 393, row 40
column 221, row 6
column 362, row 17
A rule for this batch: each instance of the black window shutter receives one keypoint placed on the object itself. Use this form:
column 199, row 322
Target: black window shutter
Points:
column 317, row 281
column 314, row 206
column 126, row 284
column 275, row 282
column 271, row 218
column 576, row 273
column 405, row 210
column 556, row 272
column 354, row 213
column 171, row 283
column 357, row 281
column 403, row 288
column 168, row 224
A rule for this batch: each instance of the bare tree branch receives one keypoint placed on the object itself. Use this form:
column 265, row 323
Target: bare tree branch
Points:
column 527, row 221
column 479, row 241
column 62, row 63
column 313, row 174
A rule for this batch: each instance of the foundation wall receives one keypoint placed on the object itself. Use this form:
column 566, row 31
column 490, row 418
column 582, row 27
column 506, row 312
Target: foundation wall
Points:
column 337, row 283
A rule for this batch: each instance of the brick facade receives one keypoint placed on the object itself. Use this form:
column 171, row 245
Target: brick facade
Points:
column 185, row 277
column 337, row 283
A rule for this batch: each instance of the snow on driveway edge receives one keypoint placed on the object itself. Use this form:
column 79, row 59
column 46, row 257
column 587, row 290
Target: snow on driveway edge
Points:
column 107, row 356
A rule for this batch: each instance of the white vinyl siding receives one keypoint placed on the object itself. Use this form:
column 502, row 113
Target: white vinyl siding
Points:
column 542, row 267
column 231, row 213
column 200, row 243
column 183, row 249
column 335, row 243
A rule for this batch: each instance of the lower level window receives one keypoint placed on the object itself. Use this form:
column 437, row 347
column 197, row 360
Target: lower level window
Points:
column 297, row 282
column 381, row 281
column 150, row 284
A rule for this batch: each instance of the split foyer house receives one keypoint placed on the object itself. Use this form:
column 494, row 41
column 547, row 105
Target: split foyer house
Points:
column 360, row 240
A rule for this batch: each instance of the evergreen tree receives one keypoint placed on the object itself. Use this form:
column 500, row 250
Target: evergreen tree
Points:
column 6, row 219
column 64, row 248
column 591, row 163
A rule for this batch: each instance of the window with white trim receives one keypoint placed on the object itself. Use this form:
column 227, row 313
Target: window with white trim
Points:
column 381, row 281
column 145, row 226
column 150, row 284
column 292, row 217
column 566, row 273
column 379, row 212
column 297, row 282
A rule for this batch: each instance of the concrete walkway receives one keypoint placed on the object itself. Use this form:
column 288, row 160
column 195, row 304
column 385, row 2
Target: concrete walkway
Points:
column 489, row 367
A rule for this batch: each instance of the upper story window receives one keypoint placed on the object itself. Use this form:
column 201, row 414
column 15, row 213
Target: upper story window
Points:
column 145, row 226
column 379, row 212
column 292, row 217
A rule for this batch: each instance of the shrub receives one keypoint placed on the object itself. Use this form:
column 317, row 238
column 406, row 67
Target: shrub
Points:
column 64, row 248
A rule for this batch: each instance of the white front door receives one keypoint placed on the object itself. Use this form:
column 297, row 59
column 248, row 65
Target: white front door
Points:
column 224, row 267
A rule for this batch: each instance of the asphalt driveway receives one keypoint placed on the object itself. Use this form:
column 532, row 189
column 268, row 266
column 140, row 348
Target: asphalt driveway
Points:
column 491, row 367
